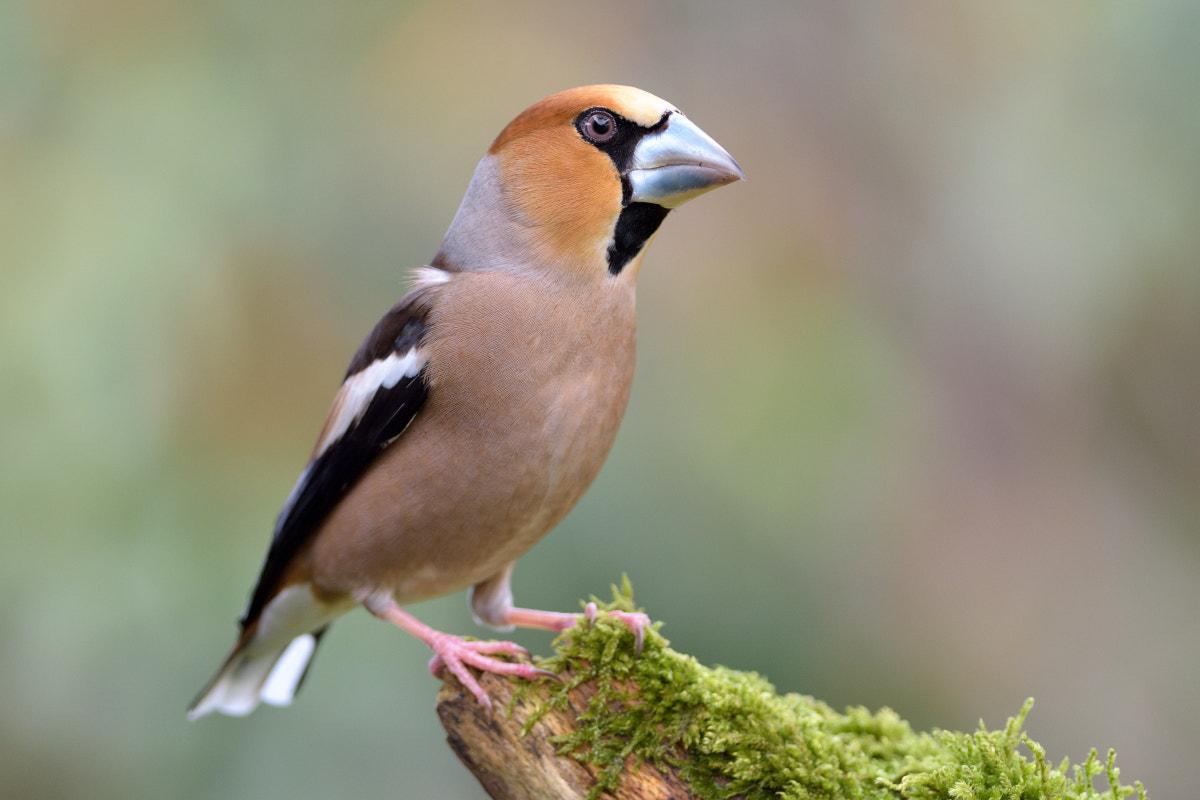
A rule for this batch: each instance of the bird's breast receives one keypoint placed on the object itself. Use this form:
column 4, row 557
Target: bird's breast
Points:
column 539, row 383
column 527, row 389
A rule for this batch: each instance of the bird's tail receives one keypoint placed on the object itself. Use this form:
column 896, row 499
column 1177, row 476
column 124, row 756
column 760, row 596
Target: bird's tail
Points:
column 251, row 675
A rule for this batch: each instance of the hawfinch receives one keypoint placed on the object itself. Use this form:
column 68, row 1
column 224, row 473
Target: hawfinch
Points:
column 482, row 405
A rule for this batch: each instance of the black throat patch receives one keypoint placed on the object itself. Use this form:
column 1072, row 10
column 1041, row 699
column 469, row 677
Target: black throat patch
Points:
column 637, row 221
column 636, row 224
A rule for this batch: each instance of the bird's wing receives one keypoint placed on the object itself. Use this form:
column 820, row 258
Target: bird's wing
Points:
column 383, row 390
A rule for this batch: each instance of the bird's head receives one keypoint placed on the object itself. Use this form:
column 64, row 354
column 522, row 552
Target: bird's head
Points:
column 579, row 182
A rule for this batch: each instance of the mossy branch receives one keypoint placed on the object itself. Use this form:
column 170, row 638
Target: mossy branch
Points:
column 662, row 725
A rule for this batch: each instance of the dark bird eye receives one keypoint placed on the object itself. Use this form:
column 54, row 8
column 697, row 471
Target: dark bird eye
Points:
column 599, row 126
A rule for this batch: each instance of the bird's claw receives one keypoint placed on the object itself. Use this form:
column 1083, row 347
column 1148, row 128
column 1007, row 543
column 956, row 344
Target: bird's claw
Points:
column 637, row 622
column 455, row 654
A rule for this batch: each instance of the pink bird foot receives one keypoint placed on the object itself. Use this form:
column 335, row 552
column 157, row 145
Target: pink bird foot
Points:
column 558, row 621
column 637, row 622
column 456, row 654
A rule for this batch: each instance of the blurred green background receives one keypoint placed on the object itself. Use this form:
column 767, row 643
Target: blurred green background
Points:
column 916, row 416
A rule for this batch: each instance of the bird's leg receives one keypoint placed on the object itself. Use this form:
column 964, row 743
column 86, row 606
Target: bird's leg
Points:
column 492, row 604
column 456, row 653
column 558, row 621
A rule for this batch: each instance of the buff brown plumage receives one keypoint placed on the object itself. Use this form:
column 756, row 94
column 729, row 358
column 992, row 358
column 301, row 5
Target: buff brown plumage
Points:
column 483, row 404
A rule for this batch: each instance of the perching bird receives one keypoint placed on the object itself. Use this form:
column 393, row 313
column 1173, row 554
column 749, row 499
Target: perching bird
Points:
column 481, row 407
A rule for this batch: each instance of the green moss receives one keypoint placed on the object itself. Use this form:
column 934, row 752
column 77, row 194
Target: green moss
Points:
column 731, row 735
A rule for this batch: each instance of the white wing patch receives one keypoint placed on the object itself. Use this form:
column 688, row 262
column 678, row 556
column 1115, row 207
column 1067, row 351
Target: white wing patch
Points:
column 429, row 276
column 359, row 389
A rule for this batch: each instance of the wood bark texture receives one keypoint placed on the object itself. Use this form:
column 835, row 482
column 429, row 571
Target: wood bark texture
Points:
column 515, row 767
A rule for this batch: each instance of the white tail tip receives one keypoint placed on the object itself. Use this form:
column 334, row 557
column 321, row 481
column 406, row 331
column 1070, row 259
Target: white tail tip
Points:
column 246, row 681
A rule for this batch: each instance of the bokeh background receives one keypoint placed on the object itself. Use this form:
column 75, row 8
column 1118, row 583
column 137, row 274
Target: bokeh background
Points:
column 915, row 421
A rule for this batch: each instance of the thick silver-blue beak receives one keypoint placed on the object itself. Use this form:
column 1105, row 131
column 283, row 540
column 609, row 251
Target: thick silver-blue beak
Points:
column 678, row 163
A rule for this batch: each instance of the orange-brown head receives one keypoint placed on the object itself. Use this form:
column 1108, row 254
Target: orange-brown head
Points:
column 578, row 183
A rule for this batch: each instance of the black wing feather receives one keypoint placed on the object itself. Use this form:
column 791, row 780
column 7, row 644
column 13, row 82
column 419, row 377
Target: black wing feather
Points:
column 332, row 474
